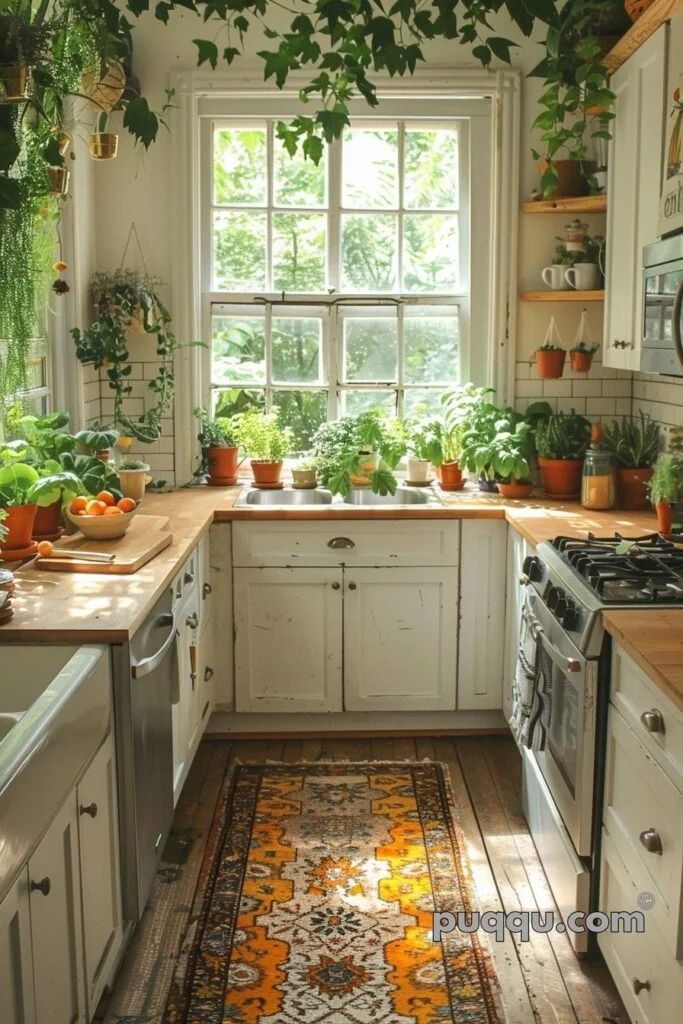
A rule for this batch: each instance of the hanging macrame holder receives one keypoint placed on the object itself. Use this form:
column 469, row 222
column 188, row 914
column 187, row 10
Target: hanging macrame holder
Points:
column 552, row 335
column 136, row 325
column 580, row 338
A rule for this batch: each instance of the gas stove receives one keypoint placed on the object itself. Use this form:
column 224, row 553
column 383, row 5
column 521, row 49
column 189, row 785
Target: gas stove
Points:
column 577, row 577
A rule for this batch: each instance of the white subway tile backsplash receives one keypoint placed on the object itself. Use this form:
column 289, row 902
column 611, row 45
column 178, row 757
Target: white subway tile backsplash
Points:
column 557, row 388
column 529, row 389
column 587, row 388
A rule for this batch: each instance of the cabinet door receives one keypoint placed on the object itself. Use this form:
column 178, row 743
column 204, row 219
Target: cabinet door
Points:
column 56, row 933
column 16, row 968
column 634, row 176
column 517, row 550
column 400, row 639
column 98, row 841
column 482, row 614
column 288, row 639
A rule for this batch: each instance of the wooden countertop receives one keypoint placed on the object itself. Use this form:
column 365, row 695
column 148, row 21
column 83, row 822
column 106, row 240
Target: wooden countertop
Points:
column 72, row 608
column 655, row 641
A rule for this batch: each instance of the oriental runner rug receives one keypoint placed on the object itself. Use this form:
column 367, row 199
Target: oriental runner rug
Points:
column 315, row 900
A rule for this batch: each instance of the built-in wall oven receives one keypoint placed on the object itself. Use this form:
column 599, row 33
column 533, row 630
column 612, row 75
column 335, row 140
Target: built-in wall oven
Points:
column 662, row 341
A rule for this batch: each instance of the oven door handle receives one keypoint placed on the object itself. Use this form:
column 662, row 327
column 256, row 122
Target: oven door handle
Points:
column 562, row 661
column 676, row 322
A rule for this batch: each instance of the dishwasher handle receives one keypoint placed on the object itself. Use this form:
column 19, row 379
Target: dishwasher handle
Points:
column 147, row 665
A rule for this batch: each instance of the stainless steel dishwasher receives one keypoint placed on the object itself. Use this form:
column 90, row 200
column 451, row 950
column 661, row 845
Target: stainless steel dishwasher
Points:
column 147, row 685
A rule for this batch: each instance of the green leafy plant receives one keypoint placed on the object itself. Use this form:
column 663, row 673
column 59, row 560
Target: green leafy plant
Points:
column 633, row 442
column 17, row 484
column 92, row 475
column 584, row 349
column 95, row 439
column 262, row 437
column 3, row 529
column 666, row 483
column 341, row 447
column 563, row 436
column 216, row 431
column 132, row 465
column 548, row 346
column 44, row 437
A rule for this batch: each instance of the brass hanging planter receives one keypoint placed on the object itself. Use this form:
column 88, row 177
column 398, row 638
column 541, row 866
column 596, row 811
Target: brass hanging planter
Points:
column 103, row 145
column 59, row 180
column 15, row 82
column 63, row 141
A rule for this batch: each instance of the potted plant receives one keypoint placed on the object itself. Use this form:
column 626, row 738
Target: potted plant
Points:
column 305, row 474
column 24, row 42
column 359, row 451
column 498, row 447
column 219, row 448
column 462, row 405
column 103, row 144
column 96, row 441
column 133, row 476
column 665, row 487
column 266, row 444
column 561, row 442
column 17, row 480
column 635, row 445
column 581, row 356
column 550, row 360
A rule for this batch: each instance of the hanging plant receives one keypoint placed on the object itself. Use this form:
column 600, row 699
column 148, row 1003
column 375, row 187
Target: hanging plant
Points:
column 124, row 298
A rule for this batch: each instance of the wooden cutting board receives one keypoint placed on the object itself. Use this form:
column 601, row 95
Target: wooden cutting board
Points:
column 145, row 537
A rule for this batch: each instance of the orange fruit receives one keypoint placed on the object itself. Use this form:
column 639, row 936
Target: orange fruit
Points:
column 45, row 548
column 78, row 505
column 107, row 497
column 82, row 512
column 95, row 507
column 126, row 504
column 113, row 511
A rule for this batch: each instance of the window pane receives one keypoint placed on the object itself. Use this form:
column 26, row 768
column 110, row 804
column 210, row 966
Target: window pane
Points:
column 354, row 402
column 370, row 168
column 430, row 170
column 298, row 181
column 303, row 411
column 370, row 348
column 369, row 252
column 297, row 349
column 421, row 400
column 430, row 252
column 237, row 350
column 239, row 253
column 239, row 167
column 430, row 349
column 299, row 251
column 230, row 401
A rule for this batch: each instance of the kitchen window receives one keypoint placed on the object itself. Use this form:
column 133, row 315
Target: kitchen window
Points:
column 340, row 287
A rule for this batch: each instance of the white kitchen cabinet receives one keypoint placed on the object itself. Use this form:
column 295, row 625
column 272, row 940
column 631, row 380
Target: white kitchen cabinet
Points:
column 634, row 177
column 56, row 928
column 98, row 840
column 16, row 963
column 518, row 548
column 219, row 655
column 185, row 712
column 400, row 639
column 482, row 613
column 288, row 639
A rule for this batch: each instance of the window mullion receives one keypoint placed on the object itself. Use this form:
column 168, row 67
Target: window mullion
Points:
column 400, row 376
column 268, row 345
column 334, row 216
column 401, row 165
column 270, row 196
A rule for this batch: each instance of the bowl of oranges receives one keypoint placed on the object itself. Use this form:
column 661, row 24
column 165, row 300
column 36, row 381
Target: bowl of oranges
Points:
column 102, row 517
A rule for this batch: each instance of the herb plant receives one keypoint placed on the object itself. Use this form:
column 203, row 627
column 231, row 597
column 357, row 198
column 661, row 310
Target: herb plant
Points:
column 216, row 432
column 339, row 448
column 563, row 436
column 634, row 442
column 262, row 437
column 666, row 482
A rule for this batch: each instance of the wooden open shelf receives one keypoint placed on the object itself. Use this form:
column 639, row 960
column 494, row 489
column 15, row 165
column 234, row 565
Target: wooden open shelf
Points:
column 640, row 32
column 574, row 204
column 569, row 296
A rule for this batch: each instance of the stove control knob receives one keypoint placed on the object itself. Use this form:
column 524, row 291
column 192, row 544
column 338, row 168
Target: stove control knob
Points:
column 554, row 596
column 570, row 619
column 561, row 608
column 532, row 568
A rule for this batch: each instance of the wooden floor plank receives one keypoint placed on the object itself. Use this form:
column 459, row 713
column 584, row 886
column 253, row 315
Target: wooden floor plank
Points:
column 293, row 751
column 334, row 749
column 424, row 748
column 311, row 748
column 404, row 748
column 383, row 748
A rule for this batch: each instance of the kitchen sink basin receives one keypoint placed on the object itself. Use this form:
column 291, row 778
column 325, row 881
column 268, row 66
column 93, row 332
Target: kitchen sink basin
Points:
column 286, row 496
column 403, row 496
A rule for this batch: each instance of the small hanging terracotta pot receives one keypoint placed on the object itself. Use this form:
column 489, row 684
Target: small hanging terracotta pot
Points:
column 550, row 362
column 665, row 517
column 580, row 362
column 19, row 524
column 15, row 82
column 222, row 463
column 103, row 145
column 59, row 180
column 632, row 485
column 266, row 473
column 449, row 475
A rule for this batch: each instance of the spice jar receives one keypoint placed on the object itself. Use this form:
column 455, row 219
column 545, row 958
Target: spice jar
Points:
column 575, row 235
column 599, row 481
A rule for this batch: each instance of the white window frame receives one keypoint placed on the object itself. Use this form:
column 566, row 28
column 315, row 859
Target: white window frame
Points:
column 202, row 95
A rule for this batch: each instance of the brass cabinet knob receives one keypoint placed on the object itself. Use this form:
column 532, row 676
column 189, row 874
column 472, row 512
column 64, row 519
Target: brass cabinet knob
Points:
column 653, row 720
column 90, row 809
column 651, row 840
column 42, row 886
column 639, row 985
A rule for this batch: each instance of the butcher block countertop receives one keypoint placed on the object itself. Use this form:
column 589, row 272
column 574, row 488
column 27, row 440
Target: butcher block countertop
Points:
column 54, row 607
column 655, row 641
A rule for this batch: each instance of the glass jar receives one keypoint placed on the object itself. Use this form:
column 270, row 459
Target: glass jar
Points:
column 599, row 481
column 575, row 235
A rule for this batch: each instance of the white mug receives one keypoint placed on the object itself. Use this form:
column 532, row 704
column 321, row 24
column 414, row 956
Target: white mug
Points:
column 585, row 277
column 553, row 276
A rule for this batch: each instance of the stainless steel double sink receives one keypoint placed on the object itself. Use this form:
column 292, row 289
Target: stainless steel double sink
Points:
column 252, row 497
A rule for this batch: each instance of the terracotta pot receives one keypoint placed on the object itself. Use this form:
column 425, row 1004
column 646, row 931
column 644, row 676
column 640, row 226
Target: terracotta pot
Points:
column 103, row 145
column 304, row 479
column 223, row 464
column 449, row 476
column 59, row 180
column 561, row 477
column 633, row 488
column 48, row 521
column 550, row 363
column 266, row 474
column 636, row 8
column 19, row 523
column 515, row 489
column 487, row 486
column 15, row 81
column 580, row 362
column 367, row 466
column 570, row 178
column 665, row 517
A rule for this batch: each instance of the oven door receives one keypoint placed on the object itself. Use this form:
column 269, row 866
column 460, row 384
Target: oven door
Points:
column 662, row 347
column 566, row 758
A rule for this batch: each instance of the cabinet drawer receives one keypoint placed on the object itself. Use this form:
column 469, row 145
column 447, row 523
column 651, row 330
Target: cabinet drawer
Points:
column 633, row 694
column 390, row 542
column 639, row 955
column 639, row 796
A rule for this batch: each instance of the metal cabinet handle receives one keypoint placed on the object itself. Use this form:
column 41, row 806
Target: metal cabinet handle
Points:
column 206, row 590
column 42, row 886
column 651, row 840
column 192, row 620
column 188, row 576
column 352, row 586
column 638, row 986
column 90, row 809
column 336, row 585
column 208, row 673
column 653, row 720
column 340, row 542
column 524, row 580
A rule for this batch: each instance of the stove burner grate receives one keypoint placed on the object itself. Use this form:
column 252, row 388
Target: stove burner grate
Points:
column 623, row 570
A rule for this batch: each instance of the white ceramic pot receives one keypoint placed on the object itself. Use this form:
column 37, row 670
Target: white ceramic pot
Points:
column 585, row 277
column 133, row 483
column 418, row 471
column 553, row 276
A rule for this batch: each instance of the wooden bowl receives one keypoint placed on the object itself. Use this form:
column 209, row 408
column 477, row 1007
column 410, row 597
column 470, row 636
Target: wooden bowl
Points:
column 102, row 527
